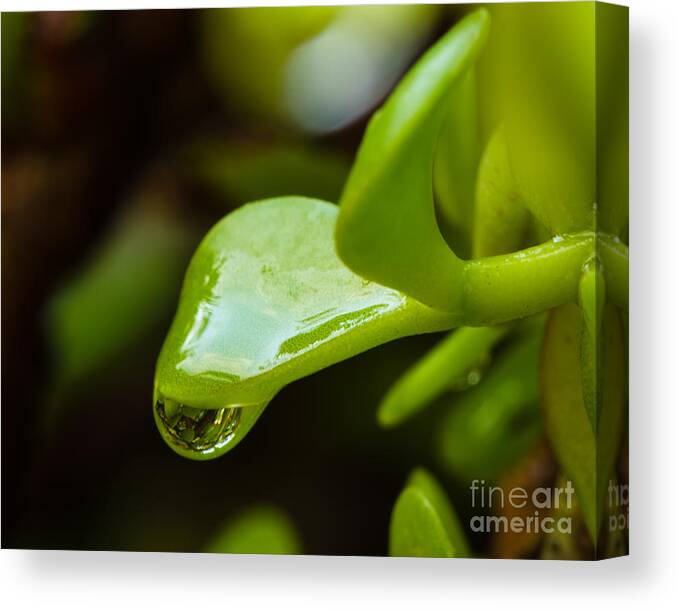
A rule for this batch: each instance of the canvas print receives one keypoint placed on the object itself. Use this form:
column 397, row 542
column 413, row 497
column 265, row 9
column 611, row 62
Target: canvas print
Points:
column 345, row 280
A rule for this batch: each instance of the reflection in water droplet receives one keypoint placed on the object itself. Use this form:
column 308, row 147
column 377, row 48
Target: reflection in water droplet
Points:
column 196, row 431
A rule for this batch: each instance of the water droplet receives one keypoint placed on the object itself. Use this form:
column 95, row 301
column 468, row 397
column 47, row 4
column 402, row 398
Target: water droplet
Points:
column 198, row 433
column 557, row 238
column 474, row 377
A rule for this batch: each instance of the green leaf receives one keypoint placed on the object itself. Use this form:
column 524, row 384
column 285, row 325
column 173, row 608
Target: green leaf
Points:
column 591, row 303
column 612, row 118
column 125, row 289
column 387, row 229
column 501, row 219
column 538, row 78
column 586, row 458
column 266, row 301
column 261, row 530
column 453, row 358
column 424, row 523
column 493, row 424
column 456, row 161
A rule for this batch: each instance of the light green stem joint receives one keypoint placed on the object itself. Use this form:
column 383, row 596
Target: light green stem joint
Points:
column 497, row 289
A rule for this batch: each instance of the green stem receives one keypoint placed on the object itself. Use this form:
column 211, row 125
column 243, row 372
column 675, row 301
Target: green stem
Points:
column 510, row 286
column 502, row 288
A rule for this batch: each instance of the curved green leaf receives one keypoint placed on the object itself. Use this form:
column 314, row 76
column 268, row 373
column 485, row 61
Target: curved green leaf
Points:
column 456, row 161
column 494, row 423
column 586, row 457
column 266, row 301
column 424, row 523
column 260, row 530
column 501, row 219
column 454, row 357
column 387, row 229
column 591, row 303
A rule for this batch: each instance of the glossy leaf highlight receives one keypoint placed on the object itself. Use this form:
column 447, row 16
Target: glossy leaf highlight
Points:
column 266, row 301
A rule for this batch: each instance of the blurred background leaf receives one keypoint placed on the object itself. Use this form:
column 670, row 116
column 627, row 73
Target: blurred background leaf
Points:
column 258, row 530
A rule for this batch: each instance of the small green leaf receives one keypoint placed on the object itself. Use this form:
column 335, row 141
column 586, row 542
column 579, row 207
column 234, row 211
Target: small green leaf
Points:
column 454, row 357
column 387, row 229
column 493, row 424
column 126, row 288
column 261, row 530
column 591, row 303
column 501, row 218
column 267, row 301
column 456, row 161
column 424, row 523
column 586, row 458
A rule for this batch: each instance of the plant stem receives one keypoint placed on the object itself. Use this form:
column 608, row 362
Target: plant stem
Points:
column 510, row 286
column 502, row 288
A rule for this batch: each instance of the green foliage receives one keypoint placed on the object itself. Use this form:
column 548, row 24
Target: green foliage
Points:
column 456, row 160
column 500, row 216
column 539, row 70
column 261, row 530
column 285, row 287
column 387, row 229
column 491, row 425
column 125, row 289
column 424, row 523
column 266, row 301
column 587, row 457
column 449, row 363
column 591, row 304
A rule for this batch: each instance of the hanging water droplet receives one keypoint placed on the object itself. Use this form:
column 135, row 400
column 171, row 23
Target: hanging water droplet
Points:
column 196, row 431
column 203, row 434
